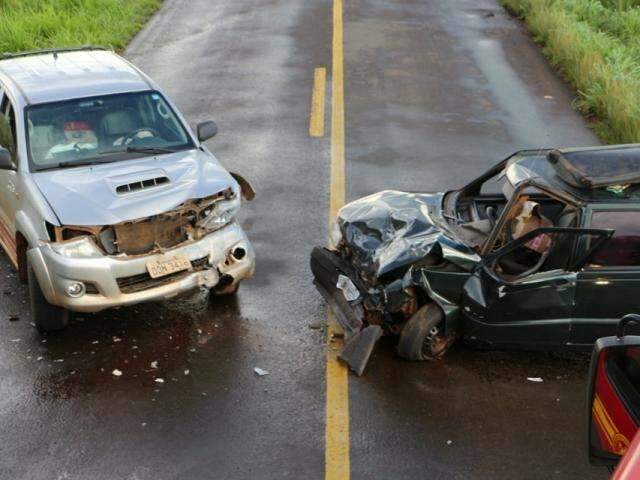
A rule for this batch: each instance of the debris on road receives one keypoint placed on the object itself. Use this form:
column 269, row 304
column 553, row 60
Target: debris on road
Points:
column 154, row 364
column 13, row 317
column 186, row 372
column 117, row 373
column 116, row 339
column 159, row 380
column 260, row 372
column 535, row 379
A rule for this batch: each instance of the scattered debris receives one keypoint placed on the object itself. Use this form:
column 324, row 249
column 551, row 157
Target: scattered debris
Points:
column 316, row 325
column 117, row 373
column 154, row 364
column 260, row 371
column 39, row 359
column 15, row 340
column 449, row 442
column 59, row 360
column 144, row 424
column 116, row 339
column 199, row 332
column 95, row 342
column 548, row 97
column 186, row 372
column 13, row 317
column 535, row 379
column 159, row 380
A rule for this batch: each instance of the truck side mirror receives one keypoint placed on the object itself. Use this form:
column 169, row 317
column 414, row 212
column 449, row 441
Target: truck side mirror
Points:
column 613, row 400
column 6, row 162
column 207, row 130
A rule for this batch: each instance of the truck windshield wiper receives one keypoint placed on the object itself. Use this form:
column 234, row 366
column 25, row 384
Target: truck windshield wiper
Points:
column 82, row 163
column 131, row 149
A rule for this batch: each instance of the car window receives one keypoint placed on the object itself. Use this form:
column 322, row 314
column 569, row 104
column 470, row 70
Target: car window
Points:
column 623, row 249
column 541, row 252
column 8, row 126
column 100, row 129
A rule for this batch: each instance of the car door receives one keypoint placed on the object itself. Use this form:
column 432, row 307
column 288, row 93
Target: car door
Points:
column 608, row 286
column 516, row 299
column 9, row 188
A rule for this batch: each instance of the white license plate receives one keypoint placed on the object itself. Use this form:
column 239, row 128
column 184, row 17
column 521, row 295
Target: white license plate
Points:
column 162, row 266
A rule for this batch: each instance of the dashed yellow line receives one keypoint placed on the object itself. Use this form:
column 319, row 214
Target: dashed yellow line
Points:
column 316, row 123
column 337, row 460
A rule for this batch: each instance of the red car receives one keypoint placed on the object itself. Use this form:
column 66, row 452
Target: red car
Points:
column 614, row 403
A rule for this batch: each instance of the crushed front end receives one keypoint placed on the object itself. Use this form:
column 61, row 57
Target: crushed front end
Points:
column 197, row 244
column 372, row 277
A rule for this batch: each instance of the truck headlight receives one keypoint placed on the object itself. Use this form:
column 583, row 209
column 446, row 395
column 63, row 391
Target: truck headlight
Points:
column 220, row 214
column 82, row 247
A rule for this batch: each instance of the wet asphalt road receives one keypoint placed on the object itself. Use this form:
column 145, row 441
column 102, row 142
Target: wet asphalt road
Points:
column 435, row 93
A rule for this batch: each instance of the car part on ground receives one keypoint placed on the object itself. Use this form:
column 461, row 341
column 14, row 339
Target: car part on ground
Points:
column 110, row 199
column 515, row 258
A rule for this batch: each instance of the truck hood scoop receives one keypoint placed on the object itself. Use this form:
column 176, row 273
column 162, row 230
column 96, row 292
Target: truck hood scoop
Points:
column 130, row 190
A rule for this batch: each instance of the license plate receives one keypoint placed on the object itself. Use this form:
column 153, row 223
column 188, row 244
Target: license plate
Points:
column 162, row 266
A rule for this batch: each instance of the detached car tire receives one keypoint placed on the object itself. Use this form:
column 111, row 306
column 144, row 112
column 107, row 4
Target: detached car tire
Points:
column 422, row 337
column 47, row 317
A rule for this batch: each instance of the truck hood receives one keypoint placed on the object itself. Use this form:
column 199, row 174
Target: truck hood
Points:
column 87, row 196
column 390, row 230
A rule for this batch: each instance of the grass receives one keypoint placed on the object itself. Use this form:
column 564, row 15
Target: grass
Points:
column 34, row 24
column 596, row 46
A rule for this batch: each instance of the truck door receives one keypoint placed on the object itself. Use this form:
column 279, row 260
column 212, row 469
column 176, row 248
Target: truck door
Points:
column 9, row 188
column 520, row 297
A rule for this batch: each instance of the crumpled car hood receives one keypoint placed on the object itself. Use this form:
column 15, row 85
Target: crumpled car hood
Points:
column 87, row 195
column 390, row 230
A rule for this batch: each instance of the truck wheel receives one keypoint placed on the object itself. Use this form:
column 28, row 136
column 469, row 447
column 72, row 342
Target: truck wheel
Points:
column 422, row 337
column 47, row 317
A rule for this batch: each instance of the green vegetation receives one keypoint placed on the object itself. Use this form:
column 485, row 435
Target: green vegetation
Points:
column 33, row 24
column 596, row 45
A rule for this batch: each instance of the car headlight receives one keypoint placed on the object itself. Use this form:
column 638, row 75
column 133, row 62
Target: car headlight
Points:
column 335, row 234
column 82, row 247
column 220, row 214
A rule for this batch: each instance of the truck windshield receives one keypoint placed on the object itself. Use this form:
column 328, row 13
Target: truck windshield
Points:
column 102, row 129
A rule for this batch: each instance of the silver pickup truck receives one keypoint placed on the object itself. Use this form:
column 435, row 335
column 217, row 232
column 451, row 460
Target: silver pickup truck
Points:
column 106, row 196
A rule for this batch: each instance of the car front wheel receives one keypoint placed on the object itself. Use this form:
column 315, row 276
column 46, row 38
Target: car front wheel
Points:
column 423, row 336
column 47, row 317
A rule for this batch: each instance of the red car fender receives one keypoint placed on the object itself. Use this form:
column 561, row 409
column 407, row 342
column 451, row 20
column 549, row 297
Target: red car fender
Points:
column 629, row 466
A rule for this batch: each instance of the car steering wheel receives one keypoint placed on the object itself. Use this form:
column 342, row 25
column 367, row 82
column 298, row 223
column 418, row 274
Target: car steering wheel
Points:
column 538, row 265
column 129, row 137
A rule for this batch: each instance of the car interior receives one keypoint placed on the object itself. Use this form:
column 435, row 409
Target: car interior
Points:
column 80, row 129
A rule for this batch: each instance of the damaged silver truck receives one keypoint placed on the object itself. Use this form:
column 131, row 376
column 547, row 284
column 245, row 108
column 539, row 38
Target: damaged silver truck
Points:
column 106, row 196
column 540, row 252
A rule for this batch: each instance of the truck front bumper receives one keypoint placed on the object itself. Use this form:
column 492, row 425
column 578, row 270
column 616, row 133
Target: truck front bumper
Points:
column 220, row 259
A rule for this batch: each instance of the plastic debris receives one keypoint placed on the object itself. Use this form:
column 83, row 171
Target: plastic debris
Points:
column 116, row 339
column 199, row 332
column 154, row 364
column 15, row 340
column 449, row 442
column 39, row 359
column 159, row 380
column 117, row 373
column 144, row 424
column 548, row 97
column 260, row 372
column 186, row 372
column 59, row 360
column 95, row 342
column 535, row 379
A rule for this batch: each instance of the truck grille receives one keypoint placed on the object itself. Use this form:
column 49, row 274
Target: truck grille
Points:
column 143, row 281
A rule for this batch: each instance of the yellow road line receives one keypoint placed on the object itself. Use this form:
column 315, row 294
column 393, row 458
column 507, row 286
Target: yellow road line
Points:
column 337, row 462
column 316, row 123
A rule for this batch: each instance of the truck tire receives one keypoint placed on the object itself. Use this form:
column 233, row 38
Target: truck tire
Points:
column 47, row 317
column 422, row 337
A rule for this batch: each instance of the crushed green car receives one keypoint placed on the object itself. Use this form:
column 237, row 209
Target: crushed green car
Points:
column 540, row 252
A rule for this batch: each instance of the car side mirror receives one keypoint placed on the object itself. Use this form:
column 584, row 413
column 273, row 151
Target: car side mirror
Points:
column 613, row 395
column 6, row 161
column 207, row 130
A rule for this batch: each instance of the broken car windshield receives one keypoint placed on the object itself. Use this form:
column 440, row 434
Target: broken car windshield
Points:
column 77, row 132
